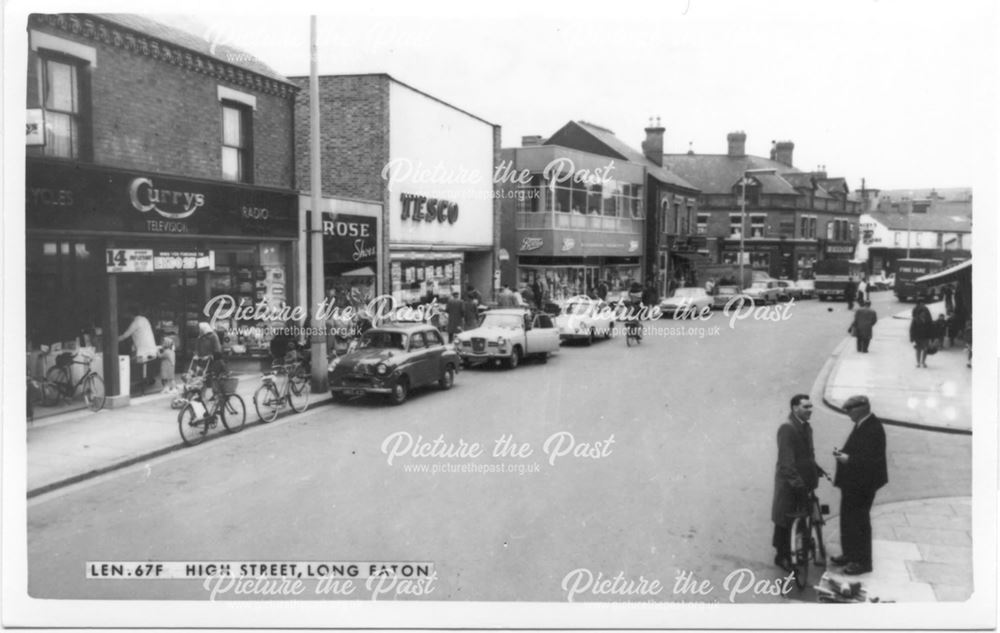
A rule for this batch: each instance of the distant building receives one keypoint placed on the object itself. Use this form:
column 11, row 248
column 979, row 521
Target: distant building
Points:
column 793, row 217
column 924, row 223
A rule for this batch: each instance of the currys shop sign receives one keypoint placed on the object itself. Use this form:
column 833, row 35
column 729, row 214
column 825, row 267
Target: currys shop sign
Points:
column 67, row 196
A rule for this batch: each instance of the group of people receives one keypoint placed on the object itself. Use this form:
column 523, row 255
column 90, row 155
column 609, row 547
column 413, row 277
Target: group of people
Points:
column 463, row 311
column 861, row 470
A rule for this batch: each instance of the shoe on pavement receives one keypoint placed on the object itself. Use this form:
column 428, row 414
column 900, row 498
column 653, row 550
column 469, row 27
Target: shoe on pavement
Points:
column 856, row 569
column 839, row 560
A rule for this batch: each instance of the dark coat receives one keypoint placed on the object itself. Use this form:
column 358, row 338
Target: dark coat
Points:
column 866, row 467
column 922, row 326
column 456, row 314
column 864, row 321
column 796, row 472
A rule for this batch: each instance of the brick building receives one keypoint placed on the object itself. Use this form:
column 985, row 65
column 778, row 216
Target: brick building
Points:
column 582, row 218
column 793, row 217
column 413, row 168
column 160, row 174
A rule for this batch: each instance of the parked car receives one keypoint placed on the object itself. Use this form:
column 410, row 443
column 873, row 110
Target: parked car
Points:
column 807, row 288
column 723, row 295
column 787, row 290
column 584, row 320
column 689, row 300
column 763, row 291
column 506, row 336
column 394, row 359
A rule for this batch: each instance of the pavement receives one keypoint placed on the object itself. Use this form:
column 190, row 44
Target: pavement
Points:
column 69, row 447
column 922, row 549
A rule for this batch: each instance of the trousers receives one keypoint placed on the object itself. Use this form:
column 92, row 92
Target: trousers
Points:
column 856, row 525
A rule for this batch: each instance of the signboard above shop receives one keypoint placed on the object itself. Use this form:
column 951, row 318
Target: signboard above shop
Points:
column 148, row 260
column 77, row 197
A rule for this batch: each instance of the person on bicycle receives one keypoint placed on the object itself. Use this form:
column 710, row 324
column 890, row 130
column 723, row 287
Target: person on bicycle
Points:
column 208, row 346
column 796, row 475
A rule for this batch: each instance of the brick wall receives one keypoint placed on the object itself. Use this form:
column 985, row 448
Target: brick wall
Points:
column 151, row 115
column 354, row 135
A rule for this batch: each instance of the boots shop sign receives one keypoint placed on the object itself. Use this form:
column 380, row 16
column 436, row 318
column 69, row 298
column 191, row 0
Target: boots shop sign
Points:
column 84, row 198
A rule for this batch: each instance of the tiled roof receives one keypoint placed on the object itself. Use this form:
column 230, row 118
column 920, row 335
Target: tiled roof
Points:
column 963, row 194
column 924, row 222
column 182, row 37
column 717, row 173
column 608, row 138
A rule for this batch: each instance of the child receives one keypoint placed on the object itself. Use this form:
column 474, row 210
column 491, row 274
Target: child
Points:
column 167, row 359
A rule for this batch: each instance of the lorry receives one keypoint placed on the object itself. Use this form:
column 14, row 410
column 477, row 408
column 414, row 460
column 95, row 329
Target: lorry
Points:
column 507, row 335
column 832, row 275
column 907, row 271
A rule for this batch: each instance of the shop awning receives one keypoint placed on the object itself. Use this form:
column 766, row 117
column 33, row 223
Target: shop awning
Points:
column 946, row 275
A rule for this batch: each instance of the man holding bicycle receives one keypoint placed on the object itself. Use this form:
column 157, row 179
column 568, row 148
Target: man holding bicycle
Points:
column 796, row 475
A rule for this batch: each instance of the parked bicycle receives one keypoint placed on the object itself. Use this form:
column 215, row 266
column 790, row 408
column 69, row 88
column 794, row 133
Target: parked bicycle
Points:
column 807, row 537
column 286, row 383
column 209, row 400
column 58, row 384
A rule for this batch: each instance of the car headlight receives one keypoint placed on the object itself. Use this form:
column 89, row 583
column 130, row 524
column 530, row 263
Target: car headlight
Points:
column 382, row 369
column 501, row 340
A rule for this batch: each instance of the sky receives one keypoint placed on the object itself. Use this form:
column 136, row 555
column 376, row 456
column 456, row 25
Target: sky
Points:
column 900, row 94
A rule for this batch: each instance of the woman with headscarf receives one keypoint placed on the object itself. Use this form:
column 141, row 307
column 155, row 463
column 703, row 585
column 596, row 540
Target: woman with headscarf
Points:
column 208, row 346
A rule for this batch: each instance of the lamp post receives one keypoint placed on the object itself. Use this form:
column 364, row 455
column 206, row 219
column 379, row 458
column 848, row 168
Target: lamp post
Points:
column 743, row 213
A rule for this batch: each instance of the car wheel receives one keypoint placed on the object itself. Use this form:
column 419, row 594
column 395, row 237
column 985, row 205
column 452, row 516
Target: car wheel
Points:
column 447, row 378
column 515, row 358
column 400, row 390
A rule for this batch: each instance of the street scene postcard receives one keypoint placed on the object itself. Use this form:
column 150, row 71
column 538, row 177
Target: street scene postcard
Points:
column 514, row 315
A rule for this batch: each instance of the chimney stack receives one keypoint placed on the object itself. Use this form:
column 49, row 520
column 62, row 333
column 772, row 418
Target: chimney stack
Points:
column 783, row 152
column 737, row 144
column 531, row 141
column 652, row 147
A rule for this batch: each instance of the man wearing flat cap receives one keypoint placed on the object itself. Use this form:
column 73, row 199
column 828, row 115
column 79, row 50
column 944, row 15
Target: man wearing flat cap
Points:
column 861, row 471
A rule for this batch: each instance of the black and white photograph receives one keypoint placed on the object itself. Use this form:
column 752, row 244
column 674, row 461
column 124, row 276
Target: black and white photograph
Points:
column 431, row 315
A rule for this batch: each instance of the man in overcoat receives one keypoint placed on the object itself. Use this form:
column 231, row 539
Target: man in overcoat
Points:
column 861, row 471
column 796, row 474
column 864, row 320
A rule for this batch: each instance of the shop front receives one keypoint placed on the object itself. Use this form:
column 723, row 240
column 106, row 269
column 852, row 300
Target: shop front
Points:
column 106, row 245
column 565, row 263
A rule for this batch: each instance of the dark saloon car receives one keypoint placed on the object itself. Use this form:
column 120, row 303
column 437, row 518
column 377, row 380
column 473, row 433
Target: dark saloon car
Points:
column 394, row 359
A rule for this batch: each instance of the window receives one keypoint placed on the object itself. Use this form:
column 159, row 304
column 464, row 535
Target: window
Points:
column 940, row 240
column 62, row 104
column 812, row 227
column 897, row 238
column 417, row 340
column 757, row 222
column 735, row 225
column 664, row 216
column 236, row 142
column 433, row 338
column 803, row 227
column 702, row 227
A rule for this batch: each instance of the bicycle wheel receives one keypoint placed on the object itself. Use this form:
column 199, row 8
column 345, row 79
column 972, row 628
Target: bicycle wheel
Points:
column 234, row 413
column 48, row 393
column 800, row 551
column 93, row 392
column 267, row 401
column 192, row 427
column 58, row 377
column 298, row 392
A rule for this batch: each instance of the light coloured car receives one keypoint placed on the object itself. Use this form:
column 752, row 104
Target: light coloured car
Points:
column 788, row 290
column 690, row 301
column 763, row 291
column 585, row 320
column 723, row 295
column 807, row 288
column 506, row 336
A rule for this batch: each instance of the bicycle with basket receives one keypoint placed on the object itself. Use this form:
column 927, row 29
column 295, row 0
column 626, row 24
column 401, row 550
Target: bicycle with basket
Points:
column 275, row 392
column 58, row 384
column 205, row 400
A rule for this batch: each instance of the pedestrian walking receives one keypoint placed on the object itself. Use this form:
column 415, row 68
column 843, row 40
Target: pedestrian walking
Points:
column 506, row 298
column 536, row 289
column 861, row 471
column 921, row 332
column 849, row 293
column 864, row 321
column 455, row 310
column 602, row 291
column 796, row 474
column 168, row 361
column 470, row 312
column 528, row 295
column 862, row 291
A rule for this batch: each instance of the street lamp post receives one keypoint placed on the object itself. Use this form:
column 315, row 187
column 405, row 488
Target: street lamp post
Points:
column 743, row 214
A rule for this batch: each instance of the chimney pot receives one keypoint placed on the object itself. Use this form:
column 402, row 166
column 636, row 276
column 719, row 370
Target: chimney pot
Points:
column 652, row 147
column 737, row 144
column 531, row 141
column 782, row 152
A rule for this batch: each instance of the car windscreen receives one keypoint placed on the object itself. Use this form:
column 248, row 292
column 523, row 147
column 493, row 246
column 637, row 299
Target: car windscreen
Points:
column 511, row 321
column 688, row 292
column 376, row 339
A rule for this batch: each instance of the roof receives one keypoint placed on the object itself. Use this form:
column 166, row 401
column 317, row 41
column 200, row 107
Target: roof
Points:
column 182, row 36
column 615, row 147
column 962, row 194
column 719, row 173
column 924, row 222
